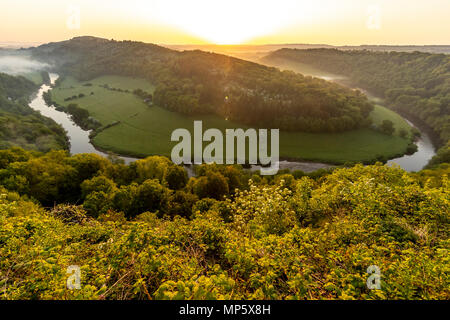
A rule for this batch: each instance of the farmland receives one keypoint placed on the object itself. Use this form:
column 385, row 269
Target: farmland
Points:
column 143, row 130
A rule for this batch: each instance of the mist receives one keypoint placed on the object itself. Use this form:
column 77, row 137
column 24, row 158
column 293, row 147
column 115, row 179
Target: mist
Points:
column 16, row 65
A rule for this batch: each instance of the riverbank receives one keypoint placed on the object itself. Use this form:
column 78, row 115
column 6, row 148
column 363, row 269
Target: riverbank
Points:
column 427, row 144
column 417, row 123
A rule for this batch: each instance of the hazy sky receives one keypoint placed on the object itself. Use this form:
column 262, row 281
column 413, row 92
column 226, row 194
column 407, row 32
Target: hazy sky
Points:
column 229, row 21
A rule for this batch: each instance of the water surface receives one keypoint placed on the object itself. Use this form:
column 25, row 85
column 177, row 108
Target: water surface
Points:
column 79, row 138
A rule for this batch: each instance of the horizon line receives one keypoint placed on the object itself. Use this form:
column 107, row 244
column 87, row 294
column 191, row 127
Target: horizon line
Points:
column 234, row 45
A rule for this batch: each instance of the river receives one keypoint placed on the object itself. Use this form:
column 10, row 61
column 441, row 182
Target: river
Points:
column 418, row 160
column 425, row 147
column 80, row 142
column 79, row 138
column 411, row 163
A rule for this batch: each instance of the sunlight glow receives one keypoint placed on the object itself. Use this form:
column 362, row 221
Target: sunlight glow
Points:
column 227, row 22
column 168, row 22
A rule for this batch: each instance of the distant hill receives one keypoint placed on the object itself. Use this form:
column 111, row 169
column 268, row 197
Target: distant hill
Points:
column 18, row 45
column 198, row 82
column 256, row 52
column 406, row 48
column 416, row 83
column 273, row 47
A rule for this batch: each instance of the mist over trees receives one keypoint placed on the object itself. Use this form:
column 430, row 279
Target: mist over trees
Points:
column 416, row 84
column 22, row 126
column 19, row 64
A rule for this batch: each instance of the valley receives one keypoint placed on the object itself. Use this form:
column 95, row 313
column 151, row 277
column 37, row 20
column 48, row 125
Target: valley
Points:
column 245, row 156
column 126, row 125
column 145, row 130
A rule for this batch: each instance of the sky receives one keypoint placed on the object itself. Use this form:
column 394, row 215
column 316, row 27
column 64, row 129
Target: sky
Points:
column 336, row 22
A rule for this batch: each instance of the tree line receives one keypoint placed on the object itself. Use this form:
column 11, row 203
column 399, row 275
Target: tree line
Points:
column 101, row 185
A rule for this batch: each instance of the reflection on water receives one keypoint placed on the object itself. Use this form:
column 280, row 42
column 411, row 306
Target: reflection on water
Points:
column 425, row 147
column 79, row 138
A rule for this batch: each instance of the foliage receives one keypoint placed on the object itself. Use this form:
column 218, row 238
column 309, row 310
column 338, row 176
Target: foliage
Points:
column 442, row 156
column 272, row 238
column 79, row 115
column 415, row 84
column 387, row 127
column 22, row 126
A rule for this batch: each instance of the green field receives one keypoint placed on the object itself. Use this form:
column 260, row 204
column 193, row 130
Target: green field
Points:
column 145, row 130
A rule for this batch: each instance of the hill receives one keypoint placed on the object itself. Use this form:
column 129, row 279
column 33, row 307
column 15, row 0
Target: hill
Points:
column 256, row 52
column 19, row 124
column 197, row 82
column 415, row 84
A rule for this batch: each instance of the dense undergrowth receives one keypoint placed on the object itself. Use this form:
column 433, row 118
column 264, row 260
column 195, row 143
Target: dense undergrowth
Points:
column 286, row 237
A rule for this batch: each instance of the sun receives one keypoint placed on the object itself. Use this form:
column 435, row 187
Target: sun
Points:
column 225, row 22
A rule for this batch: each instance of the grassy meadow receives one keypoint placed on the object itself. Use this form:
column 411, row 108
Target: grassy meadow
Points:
column 145, row 130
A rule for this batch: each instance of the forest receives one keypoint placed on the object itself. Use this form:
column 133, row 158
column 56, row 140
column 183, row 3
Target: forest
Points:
column 147, row 231
column 415, row 84
column 196, row 82
column 22, row 126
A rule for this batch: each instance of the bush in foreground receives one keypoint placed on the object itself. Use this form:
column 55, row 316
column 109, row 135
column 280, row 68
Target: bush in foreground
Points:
column 313, row 240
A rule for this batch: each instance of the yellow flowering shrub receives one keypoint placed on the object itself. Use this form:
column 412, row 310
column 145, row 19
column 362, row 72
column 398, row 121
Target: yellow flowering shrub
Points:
column 310, row 239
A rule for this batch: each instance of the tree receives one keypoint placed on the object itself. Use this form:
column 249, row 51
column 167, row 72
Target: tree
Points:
column 387, row 127
column 176, row 177
column 88, row 165
column 151, row 168
column 403, row 133
column 98, row 202
column 180, row 203
column 48, row 178
column 214, row 185
column 79, row 115
column 97, row 184
column 151, row 196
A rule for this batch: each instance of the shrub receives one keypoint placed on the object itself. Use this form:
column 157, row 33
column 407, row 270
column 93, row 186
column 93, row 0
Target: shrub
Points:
column 70, row 214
